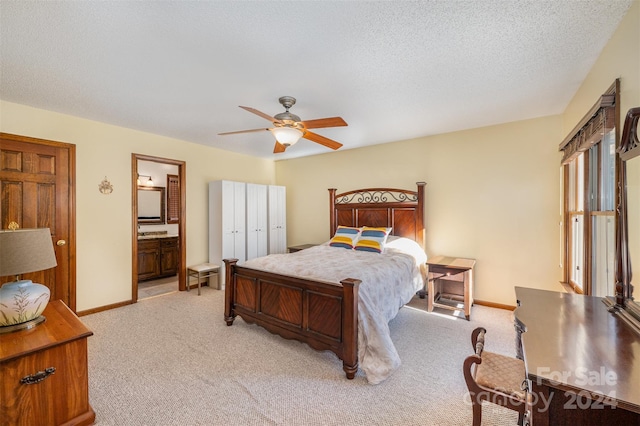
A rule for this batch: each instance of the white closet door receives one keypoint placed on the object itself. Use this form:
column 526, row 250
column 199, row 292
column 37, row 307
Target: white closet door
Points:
column 261, row 240
column 227, row 222
column 256, row 220
column 239, row 221
column 277, row 219
column 227, row 209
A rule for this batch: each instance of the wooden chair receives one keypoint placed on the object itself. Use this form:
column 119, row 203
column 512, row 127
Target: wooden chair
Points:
column 496, row 378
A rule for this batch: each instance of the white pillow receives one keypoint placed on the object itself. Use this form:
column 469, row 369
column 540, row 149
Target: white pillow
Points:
column 407, row 246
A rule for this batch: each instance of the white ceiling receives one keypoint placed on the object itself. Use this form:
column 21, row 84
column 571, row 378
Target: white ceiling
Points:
column 393, row 70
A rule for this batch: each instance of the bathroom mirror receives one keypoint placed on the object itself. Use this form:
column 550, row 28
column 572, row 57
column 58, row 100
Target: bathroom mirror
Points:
column 151, row 205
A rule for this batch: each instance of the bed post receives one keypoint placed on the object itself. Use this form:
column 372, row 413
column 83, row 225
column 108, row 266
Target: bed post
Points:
column 350, row 327
column 332, row 211
column 229, row 290
column 420, row 218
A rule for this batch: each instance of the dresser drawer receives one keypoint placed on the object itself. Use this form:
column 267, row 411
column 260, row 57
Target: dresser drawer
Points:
column 169, row 242
column 59, row 398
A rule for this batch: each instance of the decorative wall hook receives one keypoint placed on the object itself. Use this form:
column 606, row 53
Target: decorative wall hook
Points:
column 105, row 187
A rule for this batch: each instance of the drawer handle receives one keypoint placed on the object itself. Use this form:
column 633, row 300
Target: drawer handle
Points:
column 38, row 377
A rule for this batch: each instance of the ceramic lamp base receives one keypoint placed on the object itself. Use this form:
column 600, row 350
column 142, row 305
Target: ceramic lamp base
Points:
column 22, row 301
column 22, row 326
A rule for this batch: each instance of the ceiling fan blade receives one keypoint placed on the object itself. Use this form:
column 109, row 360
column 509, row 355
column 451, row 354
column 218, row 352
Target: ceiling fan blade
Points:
column 261, row 114
column 329, row 143
column 242, row 131
column 324, row 122
column 278, row 148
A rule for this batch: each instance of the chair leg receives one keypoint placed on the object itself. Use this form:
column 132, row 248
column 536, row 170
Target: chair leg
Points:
column 520, row 418
column 477, row 412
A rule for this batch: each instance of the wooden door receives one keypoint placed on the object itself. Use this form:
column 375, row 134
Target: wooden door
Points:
column 37, row 191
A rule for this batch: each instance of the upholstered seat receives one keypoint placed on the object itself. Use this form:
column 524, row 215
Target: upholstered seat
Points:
column 495, row 378
column 204, row 270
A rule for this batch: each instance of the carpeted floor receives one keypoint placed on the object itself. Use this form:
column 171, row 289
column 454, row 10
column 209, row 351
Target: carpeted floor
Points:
column 171, row 360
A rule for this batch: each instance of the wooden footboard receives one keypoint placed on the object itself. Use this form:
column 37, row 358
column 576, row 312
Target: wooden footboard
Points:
column 321, row 314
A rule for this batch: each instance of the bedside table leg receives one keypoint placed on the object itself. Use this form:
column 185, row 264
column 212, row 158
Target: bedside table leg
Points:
column 430, row 294
column 468, row 298
column 424, row 270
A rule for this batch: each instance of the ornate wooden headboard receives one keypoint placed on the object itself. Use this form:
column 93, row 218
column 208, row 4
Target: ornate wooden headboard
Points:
column 400, row 209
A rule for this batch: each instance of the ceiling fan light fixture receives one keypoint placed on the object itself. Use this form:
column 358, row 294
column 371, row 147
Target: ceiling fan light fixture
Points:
column 288, row 128
column 287, row 136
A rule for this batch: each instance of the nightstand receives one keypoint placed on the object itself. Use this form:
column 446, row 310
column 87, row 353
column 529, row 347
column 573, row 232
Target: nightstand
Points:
column 294, row 249
column 450, row 282
column 45, row 379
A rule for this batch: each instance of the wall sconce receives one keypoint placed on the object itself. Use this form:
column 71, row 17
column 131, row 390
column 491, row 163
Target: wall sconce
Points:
column 105, row 187
column 148, row 182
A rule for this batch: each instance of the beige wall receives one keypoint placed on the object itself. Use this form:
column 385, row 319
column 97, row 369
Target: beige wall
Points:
column 619, row 59
column 104, row 222
column 492, row 194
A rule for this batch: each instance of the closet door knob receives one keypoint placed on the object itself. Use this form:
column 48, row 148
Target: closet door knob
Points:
column 61, row 243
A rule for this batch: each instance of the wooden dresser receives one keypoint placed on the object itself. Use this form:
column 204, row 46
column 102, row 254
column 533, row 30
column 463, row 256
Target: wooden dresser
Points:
column 582, row 362
column 53, row 355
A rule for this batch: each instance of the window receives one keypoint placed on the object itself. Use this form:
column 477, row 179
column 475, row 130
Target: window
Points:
column 602, row 198
column 575, row 214
column 589, row 175
column 173, row 199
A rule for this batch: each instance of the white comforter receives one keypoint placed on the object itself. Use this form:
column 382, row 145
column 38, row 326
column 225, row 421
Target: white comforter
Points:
column 389, row 281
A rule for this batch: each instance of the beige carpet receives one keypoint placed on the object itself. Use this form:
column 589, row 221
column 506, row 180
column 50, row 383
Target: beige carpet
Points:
column 171, row 360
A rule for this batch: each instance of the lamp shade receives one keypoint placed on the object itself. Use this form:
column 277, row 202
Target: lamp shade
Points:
column 22, row 301
column 287, row 136
column 26, row 250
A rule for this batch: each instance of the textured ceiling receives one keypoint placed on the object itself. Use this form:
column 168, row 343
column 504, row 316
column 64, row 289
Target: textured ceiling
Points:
column 393, row 70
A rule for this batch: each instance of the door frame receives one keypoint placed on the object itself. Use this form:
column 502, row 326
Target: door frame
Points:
column 182, row 225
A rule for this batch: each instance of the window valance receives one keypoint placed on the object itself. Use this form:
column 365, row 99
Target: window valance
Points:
column 598, row 121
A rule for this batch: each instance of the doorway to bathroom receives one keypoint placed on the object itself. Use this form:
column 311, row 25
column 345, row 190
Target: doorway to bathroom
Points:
column 159, row 226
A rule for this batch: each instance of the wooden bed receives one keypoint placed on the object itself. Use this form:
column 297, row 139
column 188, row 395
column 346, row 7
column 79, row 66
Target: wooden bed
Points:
column 323, row 315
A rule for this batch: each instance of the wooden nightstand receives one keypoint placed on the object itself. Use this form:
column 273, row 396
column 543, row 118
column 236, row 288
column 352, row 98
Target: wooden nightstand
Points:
column 294, row 249
column 45, row 379
column 450, row 282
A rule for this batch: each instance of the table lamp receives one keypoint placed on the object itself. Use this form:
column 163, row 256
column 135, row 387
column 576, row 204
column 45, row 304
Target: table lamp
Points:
column 22, row 301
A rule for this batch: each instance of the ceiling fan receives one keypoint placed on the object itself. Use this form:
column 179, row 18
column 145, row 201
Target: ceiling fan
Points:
column 288, row 128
